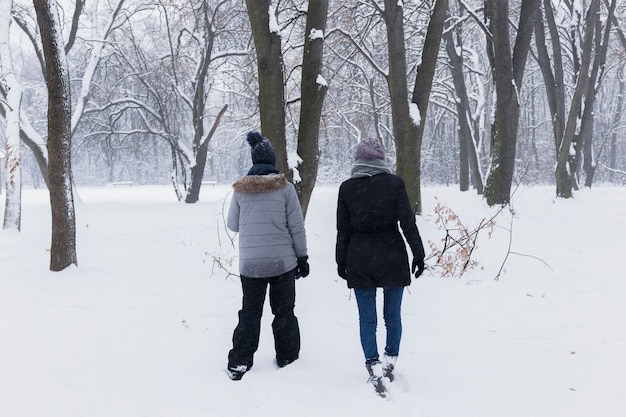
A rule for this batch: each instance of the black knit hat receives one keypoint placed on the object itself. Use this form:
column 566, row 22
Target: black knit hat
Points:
column 262, row 151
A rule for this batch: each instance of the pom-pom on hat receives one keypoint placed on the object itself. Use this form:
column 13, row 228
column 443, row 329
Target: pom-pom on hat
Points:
column 369, row 148
column 262, row 151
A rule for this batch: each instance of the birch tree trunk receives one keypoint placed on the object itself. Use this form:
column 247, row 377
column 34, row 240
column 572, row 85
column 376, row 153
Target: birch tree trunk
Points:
column 63, row 246
column 12, row 88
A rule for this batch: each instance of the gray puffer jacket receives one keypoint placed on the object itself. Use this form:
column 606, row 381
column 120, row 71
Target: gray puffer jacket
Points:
column 266, row 212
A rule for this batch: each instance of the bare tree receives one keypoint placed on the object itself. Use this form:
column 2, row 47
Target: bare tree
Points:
column 26, row 22
column 205, row 25
column 164, row 88
column 424, row 83
column 409, row 120
column 468, row 131
column 267, row 42
column 270, row 58
column 12, row 111
column 508, row 69
column 63, row 247
column 573, row 128
column 601, row 45
column 313, row 91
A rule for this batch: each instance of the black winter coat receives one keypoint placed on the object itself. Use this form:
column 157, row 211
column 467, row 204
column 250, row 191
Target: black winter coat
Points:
column 369, row 243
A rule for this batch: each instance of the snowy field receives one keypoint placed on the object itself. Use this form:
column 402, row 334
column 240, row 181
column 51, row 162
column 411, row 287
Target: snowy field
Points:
column 143, row 325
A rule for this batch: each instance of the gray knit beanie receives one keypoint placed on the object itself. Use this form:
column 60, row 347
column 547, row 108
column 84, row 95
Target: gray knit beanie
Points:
column 369, row 148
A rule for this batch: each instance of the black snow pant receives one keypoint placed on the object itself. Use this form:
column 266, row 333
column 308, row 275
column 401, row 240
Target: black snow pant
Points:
column 284, row 326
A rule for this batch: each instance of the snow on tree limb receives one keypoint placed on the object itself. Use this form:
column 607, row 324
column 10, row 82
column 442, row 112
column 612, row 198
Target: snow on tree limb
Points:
column 12, row 110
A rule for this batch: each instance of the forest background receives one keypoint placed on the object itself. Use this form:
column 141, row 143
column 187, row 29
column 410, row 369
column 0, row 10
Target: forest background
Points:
column 483, row 95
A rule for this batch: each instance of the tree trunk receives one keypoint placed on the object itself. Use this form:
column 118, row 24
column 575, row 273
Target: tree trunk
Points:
column 29, row 141
column 587, row 125
column 423, row 86
column 267, row 41
column 313, row 91
column 12, row 111
column 616, row 119
column 508, row 69
column 552, row 73
column 404, row 128
column 566, row 161
column 63, row 246
column 468, row 153
column 408, row 126
column 200, row 145
column 197, row 171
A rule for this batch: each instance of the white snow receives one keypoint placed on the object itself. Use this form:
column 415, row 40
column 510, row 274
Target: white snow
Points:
column 143, row 325
column 414, row 113
column 320, row 80
column 274, row 27
column 294, row 160
column 316, row 34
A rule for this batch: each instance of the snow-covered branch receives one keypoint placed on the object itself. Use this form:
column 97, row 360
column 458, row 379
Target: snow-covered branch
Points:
column 360, row 48
column 94, row 60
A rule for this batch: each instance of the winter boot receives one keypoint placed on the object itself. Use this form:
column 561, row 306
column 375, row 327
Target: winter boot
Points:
column 375, row 369
column 389, row 364
column 235, row 373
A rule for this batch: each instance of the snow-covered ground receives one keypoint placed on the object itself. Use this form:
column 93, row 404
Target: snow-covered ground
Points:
column 143, row 325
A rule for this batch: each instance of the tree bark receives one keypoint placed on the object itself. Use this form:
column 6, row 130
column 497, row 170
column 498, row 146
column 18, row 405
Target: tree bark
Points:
column 267, row 41
column 423, row 86
column 200, row 144
column 552, row 73
column 197, row 171
column 615, row 122
column 405, row 129
column 12, row 111
column 468, row 154
column 63, row 246
column 587, row 123
column 408, row 126
column 313, row 91
column 566, row 161
column 508, row 68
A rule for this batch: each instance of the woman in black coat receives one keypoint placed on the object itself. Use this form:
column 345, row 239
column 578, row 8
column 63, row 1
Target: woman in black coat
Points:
column 371, row 252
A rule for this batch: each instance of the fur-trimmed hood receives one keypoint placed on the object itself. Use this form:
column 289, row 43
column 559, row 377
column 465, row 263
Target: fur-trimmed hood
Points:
column 260, row 183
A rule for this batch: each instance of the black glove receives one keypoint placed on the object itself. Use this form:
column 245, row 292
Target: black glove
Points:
column 342, row 271
column 302, row 270
column 419, row 264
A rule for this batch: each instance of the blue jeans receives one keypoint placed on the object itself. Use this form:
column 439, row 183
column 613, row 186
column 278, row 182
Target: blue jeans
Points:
column 366, row 302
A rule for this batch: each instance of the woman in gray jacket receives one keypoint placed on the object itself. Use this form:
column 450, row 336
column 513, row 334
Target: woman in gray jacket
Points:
column 266, row 212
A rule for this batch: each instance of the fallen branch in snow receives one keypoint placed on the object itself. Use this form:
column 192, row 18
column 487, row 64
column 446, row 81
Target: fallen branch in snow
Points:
column 231, row 236
column 224, row 265
column 510, row 252
column 218, row 261
column 459, row 242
